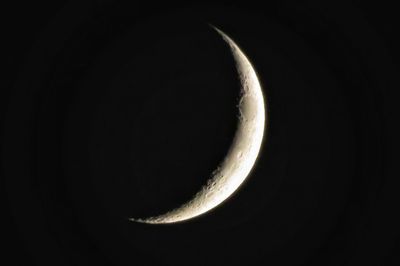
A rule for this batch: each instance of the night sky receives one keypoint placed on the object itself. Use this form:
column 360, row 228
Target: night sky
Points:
column 111, row 110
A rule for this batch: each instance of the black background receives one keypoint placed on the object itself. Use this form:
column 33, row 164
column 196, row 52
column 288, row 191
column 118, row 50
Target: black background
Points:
column 113, row 110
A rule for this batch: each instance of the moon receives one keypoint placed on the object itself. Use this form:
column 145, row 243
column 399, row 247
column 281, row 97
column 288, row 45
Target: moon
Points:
column 242, row 154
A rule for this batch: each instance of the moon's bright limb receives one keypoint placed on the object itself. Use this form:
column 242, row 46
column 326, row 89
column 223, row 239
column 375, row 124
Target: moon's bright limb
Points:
column 242, row 154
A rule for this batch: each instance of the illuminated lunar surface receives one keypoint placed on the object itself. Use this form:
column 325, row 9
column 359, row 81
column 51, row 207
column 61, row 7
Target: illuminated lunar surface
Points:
column 242, row 154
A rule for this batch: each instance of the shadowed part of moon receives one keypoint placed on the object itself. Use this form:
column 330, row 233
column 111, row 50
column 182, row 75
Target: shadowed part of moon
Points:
column 242, row 154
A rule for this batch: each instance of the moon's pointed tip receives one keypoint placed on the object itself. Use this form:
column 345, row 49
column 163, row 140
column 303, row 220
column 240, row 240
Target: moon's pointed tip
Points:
column 211, row 25
column 145, row 221
column 215, row 28
column 221, row 33
column 137, row 220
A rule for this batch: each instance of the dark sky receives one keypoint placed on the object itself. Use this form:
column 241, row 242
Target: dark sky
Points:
column 113, row 110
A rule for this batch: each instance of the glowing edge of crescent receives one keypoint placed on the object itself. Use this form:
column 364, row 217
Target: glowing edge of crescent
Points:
column 242, row 155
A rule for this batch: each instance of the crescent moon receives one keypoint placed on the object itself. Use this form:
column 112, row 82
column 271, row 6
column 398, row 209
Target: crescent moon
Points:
column 242, row 154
